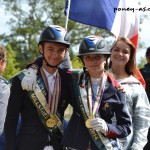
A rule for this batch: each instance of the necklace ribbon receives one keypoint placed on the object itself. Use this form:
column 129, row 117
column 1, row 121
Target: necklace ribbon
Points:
column 94, row 109
column 53, row 97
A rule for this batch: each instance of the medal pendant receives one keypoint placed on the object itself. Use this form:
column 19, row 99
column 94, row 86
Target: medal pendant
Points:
column 87, row 123
column 51, row 122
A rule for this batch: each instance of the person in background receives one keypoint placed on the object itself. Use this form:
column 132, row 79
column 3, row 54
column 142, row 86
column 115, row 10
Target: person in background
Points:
column 123, row 67
column 41, row 110
column 146, row 72
column 146, row 75
column 4, row 93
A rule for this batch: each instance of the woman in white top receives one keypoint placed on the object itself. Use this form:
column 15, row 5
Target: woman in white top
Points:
column 123, row 66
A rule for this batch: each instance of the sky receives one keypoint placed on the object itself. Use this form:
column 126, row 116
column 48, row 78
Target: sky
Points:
column 144, row 34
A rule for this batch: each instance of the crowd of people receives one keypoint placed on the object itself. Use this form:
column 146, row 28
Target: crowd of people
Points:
column 111, row 109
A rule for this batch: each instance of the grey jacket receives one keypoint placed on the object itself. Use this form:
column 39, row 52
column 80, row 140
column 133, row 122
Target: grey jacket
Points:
column 4, row 96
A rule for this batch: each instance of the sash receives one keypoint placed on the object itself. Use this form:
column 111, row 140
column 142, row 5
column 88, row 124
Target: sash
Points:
column 99, row 139
column 51, row 121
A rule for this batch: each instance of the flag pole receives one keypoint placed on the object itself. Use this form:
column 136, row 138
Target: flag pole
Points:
column 67, row 15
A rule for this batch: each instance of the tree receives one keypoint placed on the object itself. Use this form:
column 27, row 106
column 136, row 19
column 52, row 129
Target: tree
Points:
column 142, row 62
column 27, row 23
column 26, row 26
column 76, row 63
column 12, row 67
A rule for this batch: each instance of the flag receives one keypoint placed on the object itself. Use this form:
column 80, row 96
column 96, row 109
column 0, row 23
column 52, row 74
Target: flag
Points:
column 120, row 17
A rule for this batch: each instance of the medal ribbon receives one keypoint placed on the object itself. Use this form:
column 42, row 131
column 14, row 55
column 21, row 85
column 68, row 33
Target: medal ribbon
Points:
column 98, row 98
column 53, row 98
column 99, row 139
column 51, row 121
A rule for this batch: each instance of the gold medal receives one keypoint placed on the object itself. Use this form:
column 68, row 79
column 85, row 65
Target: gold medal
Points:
column 51, row 122
column 87, row 123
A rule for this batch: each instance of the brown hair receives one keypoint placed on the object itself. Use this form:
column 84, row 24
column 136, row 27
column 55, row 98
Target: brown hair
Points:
column 130, row 67
column 2, row 52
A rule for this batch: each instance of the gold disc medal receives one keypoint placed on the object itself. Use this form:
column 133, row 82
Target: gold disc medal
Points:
column 87, row 123
column 51, row 122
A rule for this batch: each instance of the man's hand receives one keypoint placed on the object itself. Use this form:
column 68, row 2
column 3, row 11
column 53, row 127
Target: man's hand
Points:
column 100, row 125
column 29, row 81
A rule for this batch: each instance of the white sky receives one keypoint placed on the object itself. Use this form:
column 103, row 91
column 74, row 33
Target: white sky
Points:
column 144, row 34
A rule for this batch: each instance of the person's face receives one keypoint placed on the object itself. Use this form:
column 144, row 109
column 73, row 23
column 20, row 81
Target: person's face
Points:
column 120, row 54
column 3, row 64
column 95, row 63
column 54, row 53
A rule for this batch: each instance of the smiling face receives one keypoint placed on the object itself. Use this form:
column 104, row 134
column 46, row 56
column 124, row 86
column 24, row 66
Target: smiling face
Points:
column 95, row 64
column 54, row 53
column 120, row 54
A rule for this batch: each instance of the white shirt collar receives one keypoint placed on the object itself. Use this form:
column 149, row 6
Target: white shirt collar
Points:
column 48, row 74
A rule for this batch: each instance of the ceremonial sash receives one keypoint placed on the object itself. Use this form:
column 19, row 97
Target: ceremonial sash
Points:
column 99, row 139
column 38, row 97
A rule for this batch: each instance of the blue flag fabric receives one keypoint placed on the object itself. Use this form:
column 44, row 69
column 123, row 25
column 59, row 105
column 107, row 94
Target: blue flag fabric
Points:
column 120, row 17
column 99, row 13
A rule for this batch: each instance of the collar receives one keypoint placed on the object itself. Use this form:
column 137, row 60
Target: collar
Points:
column 49, row 74
column 96, row 81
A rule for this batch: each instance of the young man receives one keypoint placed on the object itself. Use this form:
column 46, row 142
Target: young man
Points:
column 41, row 110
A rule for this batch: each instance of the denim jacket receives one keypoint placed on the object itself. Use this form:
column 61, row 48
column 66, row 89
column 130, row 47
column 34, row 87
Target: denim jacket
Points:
column 139, row 110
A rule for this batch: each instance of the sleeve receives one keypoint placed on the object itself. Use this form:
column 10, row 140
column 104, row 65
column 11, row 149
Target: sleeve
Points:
column 121, row 127
column 141, row 117
column 4, row 96
column 14, row 108
column 37, row 62
column 66, row 62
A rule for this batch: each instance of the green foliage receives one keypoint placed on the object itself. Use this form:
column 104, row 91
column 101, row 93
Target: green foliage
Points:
column 76, row 63
column 12, row 66
column 142, row 62
column 27, row 23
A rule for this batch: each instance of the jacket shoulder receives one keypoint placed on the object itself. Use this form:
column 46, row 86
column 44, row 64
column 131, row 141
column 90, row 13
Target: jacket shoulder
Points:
column 17, row 78
column 112, row 80
column 3, row 80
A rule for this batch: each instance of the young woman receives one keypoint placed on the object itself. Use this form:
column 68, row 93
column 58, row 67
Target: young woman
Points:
column 98, row 101
column 123, row 66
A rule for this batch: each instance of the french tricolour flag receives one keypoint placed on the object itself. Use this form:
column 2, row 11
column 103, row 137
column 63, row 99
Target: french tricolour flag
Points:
column 120, row 17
